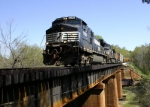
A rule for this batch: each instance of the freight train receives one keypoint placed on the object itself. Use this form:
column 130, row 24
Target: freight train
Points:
column 69, row 41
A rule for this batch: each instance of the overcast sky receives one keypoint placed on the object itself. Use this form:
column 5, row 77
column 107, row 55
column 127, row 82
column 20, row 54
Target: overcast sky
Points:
column 119, row 22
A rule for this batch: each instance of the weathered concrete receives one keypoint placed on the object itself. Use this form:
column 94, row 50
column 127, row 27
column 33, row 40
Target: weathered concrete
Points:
column 101, row 103
column 96, row 97
column 128, row 76
column 119, row 84
column 111, row 92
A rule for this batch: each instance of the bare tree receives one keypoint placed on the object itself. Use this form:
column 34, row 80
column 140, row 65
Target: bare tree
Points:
column 10, row 45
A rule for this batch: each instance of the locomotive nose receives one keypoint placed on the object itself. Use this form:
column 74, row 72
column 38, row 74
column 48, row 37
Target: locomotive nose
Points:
column 64, row 28
column 61, row 28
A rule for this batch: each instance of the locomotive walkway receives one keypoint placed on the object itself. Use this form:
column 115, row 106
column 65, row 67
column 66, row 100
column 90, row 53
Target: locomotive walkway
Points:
column 89, row 86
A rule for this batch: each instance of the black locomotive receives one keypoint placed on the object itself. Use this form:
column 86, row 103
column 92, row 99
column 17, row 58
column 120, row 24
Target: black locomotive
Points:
column 70, row 41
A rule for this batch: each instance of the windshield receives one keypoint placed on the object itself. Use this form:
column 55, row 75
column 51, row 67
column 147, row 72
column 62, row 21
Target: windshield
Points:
column 74, row 22
column 58, row 22
column 71, row 21
column 107, row 45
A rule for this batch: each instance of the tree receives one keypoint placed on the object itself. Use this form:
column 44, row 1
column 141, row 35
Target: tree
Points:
column 32, row 56
column 147, row 1
column 10, row 43
column 123, row 51
column 98, row 37
column 141, row 56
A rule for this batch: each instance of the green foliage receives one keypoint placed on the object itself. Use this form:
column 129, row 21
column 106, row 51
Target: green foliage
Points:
column 98, row 37
column 123, row 51
column 1, row 58
column 130, row 96
column 138, row 95
column 31, row 57
column 143, row 92
column 141, row 56
column 135, row 68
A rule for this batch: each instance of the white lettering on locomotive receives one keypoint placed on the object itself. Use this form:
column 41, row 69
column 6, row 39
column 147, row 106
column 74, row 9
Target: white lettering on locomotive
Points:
column 96, row 42
column 84, row 33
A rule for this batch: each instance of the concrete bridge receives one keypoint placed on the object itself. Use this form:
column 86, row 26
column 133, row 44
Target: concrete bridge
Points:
column 129, row 76
column 88, row 86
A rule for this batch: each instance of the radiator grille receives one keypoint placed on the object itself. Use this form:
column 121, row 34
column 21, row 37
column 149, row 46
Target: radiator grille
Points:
column 70, row 36
column 52, row 37
column 63, row 36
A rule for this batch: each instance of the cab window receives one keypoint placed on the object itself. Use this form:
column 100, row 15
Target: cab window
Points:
column 57, row 22
column 74, row 22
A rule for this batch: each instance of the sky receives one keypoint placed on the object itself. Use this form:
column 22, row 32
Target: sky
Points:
column 120, row 22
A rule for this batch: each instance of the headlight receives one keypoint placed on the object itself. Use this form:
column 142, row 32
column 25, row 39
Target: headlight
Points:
column 65, row 41
column 65, row 18
column 47, row 43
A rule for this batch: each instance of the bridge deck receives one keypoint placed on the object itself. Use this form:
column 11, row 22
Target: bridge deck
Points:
column 50, row 86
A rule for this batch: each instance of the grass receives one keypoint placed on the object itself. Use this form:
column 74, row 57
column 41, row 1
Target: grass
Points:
column 137, row 70
column 131, row 100
column 133, row 96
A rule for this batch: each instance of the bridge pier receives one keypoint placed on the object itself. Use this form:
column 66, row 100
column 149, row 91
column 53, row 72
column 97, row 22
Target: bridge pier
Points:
column 101, row 87
column 111, row 94
column 96, row 97
column 119, row 84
